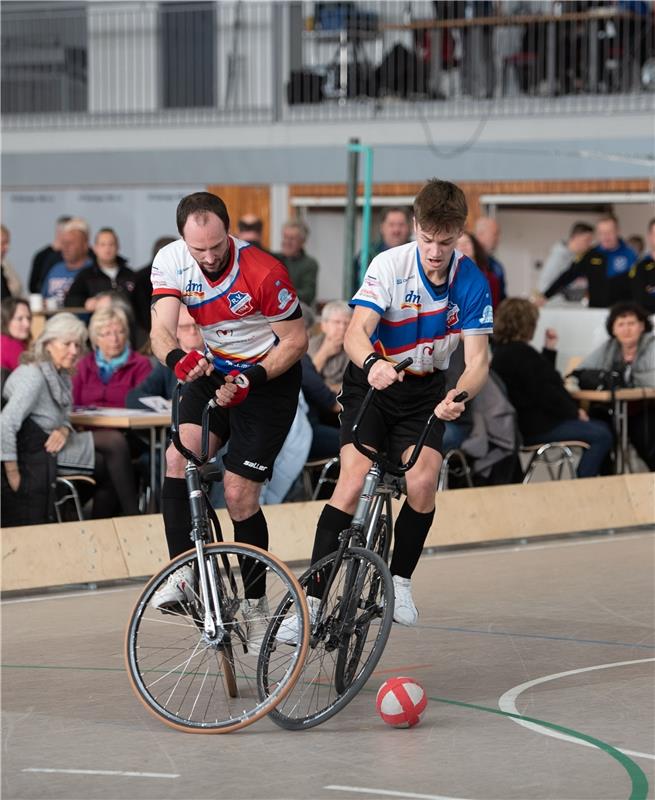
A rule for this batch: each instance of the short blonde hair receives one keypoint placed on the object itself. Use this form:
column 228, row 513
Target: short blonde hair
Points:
column 63, row 326
column 77, row 224
column 515, row 320
column 335, row 308
column 103, row 317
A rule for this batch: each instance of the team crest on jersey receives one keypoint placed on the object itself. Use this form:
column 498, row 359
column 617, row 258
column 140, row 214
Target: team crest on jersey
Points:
column 487, row 316
column 284, row 297
column 240, row 303
column 452, row 317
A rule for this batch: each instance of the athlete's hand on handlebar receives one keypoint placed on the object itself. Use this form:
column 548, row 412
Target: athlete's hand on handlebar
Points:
column 234, row 390
column 188, row 366
column 383, row 373
column 451, row 407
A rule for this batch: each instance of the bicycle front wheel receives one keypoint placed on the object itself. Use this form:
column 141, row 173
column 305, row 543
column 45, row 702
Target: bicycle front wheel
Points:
column 196, row 669
column 346, row 641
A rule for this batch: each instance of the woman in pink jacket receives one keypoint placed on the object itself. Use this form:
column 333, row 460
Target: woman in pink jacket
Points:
column 112, row 369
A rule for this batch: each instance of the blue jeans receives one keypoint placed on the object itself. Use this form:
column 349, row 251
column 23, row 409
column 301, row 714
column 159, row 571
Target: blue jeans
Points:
column 455, row 433
column 595, row 433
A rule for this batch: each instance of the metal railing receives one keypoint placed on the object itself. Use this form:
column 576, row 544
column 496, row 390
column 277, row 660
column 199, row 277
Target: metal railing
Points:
column 179, row 63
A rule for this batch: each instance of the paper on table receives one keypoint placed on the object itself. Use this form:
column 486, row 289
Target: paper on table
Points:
column 110, row 412
column 159, row 404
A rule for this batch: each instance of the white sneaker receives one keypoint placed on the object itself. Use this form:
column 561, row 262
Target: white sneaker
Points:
column 177, row 589
column 288, row 630
column 257, row 617
column 404, row 610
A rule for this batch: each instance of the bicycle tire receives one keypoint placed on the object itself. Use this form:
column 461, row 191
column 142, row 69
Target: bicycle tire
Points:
column 202, row 685
column 315, row 698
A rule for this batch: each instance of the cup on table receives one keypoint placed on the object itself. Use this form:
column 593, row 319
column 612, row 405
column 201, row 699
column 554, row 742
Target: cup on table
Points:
column 36, row 303
column 51, row 303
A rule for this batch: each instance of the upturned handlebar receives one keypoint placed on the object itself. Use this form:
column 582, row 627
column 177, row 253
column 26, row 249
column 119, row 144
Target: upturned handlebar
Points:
column 217, row 379
column 394, row 469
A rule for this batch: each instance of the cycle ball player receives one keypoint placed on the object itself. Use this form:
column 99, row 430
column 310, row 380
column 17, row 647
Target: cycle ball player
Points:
column 416, row 300
column 250, row 319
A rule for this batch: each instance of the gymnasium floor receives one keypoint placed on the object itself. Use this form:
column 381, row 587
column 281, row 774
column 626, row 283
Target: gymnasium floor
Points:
column 559, row 631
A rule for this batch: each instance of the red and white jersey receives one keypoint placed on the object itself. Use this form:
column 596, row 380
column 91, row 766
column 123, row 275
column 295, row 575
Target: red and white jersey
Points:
column 234, row 313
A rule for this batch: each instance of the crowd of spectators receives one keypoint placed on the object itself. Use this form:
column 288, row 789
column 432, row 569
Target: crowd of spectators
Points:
column 526, row 400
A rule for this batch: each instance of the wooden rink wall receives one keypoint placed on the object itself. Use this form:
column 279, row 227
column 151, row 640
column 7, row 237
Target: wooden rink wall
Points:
column 129, row 547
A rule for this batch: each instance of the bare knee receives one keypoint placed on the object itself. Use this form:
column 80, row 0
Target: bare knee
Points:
column 241, row 496
column 175, row 462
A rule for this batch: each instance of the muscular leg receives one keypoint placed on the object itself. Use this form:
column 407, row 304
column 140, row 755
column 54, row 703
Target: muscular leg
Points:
column 242, row 500
column 416, row 515
column 174, row 496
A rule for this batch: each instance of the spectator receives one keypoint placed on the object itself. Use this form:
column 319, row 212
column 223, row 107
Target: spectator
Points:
column 637, row 244
column 161, row 381
column 142, row 293
column 250, row 229
column 471, row 247
column 106, row 375
column 10, row 285
column 546, row 411
column 606, row 267
column 642, row 275
column 74, row 257
column 394, row 231
column 109, row 273
column 114, row 299
column 39, row 393
column 15, row 336
column 47, row 257
column 326, row 348
column 630, row 352
column 560, row 258
column 487, row 231
column 302, row 268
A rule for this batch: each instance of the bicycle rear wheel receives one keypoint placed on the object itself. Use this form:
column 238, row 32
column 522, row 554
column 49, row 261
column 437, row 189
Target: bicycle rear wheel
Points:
column 346, row 640
column 204, row 682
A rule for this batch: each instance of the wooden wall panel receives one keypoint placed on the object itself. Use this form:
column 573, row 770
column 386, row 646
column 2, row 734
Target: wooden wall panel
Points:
column 246, row 200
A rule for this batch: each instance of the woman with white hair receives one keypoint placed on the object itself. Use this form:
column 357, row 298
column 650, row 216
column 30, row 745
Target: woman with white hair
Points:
column 40, row 390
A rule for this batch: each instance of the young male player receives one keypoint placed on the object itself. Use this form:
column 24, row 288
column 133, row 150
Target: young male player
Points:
column 248, row 313
column 417, row 300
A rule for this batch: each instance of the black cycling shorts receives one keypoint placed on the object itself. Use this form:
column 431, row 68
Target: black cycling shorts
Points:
column 256, row 429
column 394, row 420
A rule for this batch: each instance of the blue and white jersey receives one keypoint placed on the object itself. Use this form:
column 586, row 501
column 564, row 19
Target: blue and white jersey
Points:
column 418, row 321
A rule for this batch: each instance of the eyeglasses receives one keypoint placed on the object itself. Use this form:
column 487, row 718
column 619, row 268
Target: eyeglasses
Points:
column 118, row 334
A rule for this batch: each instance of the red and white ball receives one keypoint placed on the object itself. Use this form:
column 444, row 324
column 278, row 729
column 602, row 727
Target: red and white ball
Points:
column 400, row 702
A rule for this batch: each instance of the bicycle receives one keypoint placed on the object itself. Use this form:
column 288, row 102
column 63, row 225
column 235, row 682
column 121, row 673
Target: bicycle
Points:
column 191, row 664
column 355, row 612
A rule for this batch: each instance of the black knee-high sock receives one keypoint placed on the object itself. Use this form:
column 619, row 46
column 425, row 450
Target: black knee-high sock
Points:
column 330, row 524
column 410, row 533
column 177, row 515
column 253, row 530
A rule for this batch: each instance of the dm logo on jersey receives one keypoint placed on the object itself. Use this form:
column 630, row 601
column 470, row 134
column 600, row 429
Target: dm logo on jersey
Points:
column 452, row 317
column 193, row 290
column 239, row 303
column 487, row 317
column 284, row 297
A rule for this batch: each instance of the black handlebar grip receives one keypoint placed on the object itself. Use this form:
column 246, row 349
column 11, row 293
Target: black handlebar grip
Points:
column 404, row 364
column 461, row 397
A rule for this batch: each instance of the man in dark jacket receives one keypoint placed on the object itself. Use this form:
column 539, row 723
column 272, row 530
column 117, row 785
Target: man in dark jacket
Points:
column 109, row 273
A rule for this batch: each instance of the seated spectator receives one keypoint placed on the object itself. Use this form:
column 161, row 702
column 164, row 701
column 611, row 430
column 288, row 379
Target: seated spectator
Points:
column 74, row 257
column 161, row 381
column 560, row 258
column 250, row 229
column 487, row 231
column 16, row 327
column 302, row 268
column 630, row 352
column 605, row 266
column 109, row 273
column 112, row 369
column 471, row 247
column 395, row 229
column 47, row 257
column 40, row 391
column 642, row 275
column 142, row 294
column 10, row 285
column 546, row 412
column 113, row 299
column 326, row 348
column 637, row 243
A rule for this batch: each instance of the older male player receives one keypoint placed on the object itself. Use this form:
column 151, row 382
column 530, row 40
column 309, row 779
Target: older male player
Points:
column 251, row 323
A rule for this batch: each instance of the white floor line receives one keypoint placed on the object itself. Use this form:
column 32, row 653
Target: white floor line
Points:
column 389, row 793
column 507, row 703
column 119, row 773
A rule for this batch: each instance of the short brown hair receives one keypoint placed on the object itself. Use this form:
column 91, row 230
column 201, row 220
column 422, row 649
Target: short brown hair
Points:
column 440, row 205
column 201, row 204
column 515, row 320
